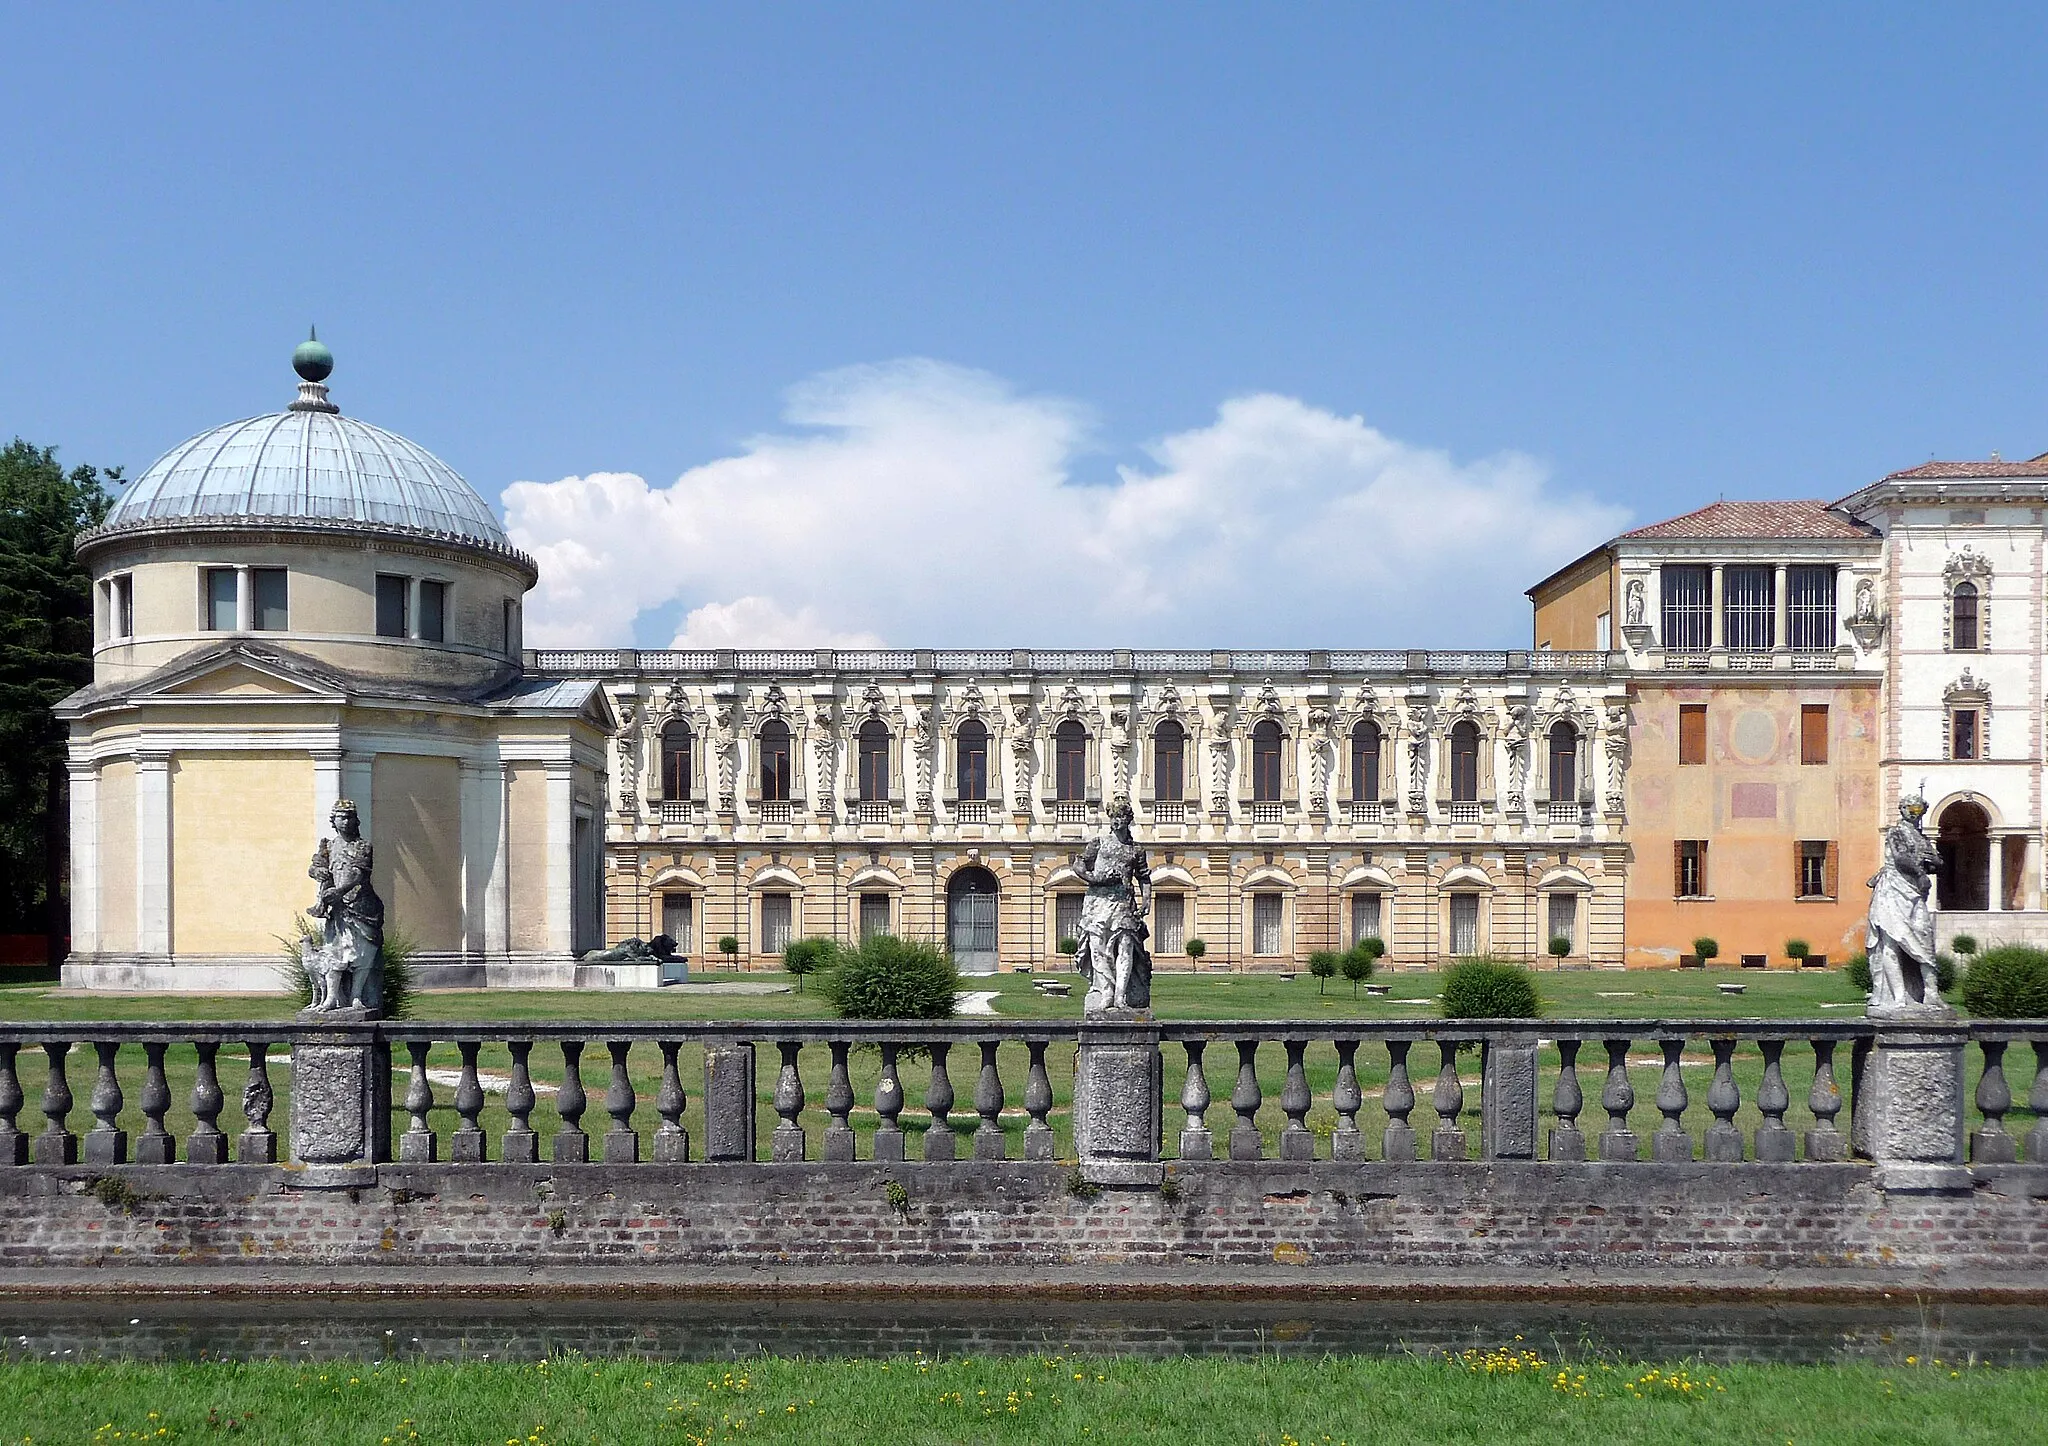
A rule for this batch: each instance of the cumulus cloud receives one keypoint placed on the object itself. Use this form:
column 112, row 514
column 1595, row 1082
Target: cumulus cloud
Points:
column 930, row 505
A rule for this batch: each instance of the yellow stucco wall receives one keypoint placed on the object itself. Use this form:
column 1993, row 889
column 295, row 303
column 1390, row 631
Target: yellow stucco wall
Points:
column 1752, row 801
column 528, row 855
column 115, row 836
column 417, row 809
column 1568, row 609
column 241, row 836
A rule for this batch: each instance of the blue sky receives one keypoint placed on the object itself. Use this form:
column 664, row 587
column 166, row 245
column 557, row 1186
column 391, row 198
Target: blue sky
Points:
column 1563, row 266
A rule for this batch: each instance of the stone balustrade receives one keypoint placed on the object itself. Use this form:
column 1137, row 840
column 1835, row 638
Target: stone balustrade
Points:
column 1398, row 1092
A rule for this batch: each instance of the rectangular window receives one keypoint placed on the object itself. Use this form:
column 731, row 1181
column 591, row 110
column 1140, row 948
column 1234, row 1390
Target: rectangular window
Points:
column 1689, row 867
column 678, row 921
column 1168, row 768
column 1603, row 631
column 1963, row 733
column 1169, row 924
column 1066, row 917
column 223, row 600
column 1750, row 607
column 775, row 922
column 1811, row 608
column 1564, row 918
column 1464, row 924
column 1365, row 917
column 273, row 598
column 1816, row 871
column 434, row 611
column 1813, row 733
column 874, row 916
column 121, row 606
column 1692, row 733
column 391, row 605
column 508, row 625
column 1267, row 912
column 1688, row 608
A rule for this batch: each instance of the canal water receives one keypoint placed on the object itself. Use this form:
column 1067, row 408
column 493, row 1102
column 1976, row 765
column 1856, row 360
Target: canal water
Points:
column 727, row 1327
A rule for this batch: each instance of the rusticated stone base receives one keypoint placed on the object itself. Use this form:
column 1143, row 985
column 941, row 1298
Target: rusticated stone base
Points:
column 1693, row 1226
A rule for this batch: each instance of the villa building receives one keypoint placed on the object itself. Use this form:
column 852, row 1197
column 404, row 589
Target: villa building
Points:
column 1719, row 714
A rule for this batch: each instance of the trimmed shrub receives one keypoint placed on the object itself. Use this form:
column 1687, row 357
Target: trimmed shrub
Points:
column 891, row 978
column 1944, row 972
column 808, row 956
column 1857, row 972
column 1359, row 961
column 1560, row 947
column 398, row 985
column 730, row 948
column 2009, row 981
column 1797, row 949
column 1323, row 965
column 1195, row 948
column 1705, row 948
column 1069, row 946
column 1483, row 987
column 1964, row 944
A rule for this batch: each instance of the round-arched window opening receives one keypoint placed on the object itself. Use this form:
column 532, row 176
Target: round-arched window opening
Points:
column 777, row 773
column 971, row 899
column 1266, row 762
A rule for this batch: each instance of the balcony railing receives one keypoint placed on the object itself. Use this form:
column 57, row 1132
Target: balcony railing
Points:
column 1464, row 811
column 1070, row 810
column 971, row 810
column 1367, row 810
column 1170, row 811
column 995, row 662
column 1268, row 812
column 677, row 810
column 871, row 810
column 777, row 811
column 1565, row 811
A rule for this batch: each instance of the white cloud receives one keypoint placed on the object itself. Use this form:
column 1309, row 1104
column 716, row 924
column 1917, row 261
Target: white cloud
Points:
column 930, row 505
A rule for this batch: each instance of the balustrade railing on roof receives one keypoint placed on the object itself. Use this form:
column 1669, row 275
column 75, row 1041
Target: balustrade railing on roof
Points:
column 1156, row 661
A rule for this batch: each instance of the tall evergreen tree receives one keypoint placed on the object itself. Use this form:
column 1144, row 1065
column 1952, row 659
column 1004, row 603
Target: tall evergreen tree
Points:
column 45, row 653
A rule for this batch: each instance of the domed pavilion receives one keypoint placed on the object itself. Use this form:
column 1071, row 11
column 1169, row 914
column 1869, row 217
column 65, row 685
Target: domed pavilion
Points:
column 294, row 609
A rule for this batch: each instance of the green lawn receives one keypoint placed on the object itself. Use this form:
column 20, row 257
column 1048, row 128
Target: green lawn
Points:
column 1509, row 1395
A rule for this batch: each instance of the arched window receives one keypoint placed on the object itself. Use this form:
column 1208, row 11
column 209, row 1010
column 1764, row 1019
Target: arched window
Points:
column 1963, row 631
column 775, row 763
column 1564, row 762
column 970, row 760
column 1169, row 762
column 1465, row 762
column 1070, row 758
column 1266, row 762
column 1365, row 761
column 676, row 743
column 874, row 761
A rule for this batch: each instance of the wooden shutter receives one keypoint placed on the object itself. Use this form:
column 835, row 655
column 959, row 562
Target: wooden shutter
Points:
column 1829, row 869
column 1692, row 733
column 1813, row 733
column 1799, row 868
column 1706, row 884
column 1678, row 868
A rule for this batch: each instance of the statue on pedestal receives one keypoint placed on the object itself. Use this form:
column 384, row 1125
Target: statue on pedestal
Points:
column 1900, row 935
column 1112, row 956
column 346, row 966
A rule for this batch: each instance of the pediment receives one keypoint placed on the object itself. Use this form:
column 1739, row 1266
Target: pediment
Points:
column 239, row 679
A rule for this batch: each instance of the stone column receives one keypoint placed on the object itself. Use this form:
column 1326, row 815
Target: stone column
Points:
column 153, row 852
column 245, row 600
column 341, row 1105
column 1717, row 629
column 729, row 1102
column 1909, row 1105
column 1507, row 1119
column 1781, row 612
column 1117, row 1077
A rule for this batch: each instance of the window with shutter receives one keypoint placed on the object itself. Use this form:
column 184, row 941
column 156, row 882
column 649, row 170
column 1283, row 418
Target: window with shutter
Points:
column 1813, row 733
column 1692, row 733
column 1830, row 878
column 1689, row 868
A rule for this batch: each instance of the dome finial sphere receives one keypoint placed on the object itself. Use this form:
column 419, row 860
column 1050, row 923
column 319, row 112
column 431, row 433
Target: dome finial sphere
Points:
column 313, row 361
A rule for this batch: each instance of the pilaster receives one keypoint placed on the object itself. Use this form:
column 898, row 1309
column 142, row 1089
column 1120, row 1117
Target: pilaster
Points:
column 85, row 855
column 153, row 852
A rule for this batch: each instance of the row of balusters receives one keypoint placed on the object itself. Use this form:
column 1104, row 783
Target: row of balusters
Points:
column 107, row 1142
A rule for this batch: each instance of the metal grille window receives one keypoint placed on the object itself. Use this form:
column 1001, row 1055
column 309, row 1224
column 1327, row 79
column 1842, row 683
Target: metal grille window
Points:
column 970, row 759
column 676, row 745
column 775, row 923
column 272, row 587
column 776, row 768
column 1810, row 609
column 1564, row 917
column 222, row 599
column 1464, row 762
column 874, row 915
column 1688, row 609
column 1169, row 762
column 1365, row 917
column 678, row 921
column 874, row 761
column 1266, row 762
column 1464, row 924
column 1267, row 916
column 1750, row 606
column 1070, row 757
column 1365, row 762
column 1170, row 924
column 1066, row 916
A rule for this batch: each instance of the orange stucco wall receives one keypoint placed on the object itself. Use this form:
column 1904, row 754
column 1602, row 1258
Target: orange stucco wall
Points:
column 1752, row 801
column 1568, row 607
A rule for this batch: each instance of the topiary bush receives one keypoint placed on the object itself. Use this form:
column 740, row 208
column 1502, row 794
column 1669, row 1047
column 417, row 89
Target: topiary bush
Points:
column 808, row 956
column 1945, row 972
column 891, row 978
column 1964, row 944
column 2008, row 981
column 1323, row 965
column 1482, row 987
column 1857, row 972
column 730, row 948
column 1194, row 949
column 1560, row 948
column 1797, row 950
column 1069, row 946
column 1705, row 948
column 1359, row 961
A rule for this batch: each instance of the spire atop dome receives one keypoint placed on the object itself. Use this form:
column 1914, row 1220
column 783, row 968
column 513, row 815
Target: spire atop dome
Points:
column 314, row 363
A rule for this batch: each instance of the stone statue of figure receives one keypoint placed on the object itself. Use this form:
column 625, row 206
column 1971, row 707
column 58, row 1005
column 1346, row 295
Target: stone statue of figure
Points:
column 1634, row 603
column 347, row 965
column 1900, row 935
column 1112, row 957
column 1866, row 601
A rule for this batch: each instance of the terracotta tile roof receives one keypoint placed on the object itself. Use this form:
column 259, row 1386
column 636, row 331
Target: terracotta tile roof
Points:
column 2034, row 467
column 1803, row 518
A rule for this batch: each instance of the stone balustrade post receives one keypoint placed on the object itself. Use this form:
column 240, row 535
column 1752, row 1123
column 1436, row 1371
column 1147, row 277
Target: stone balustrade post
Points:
column 729, row 1102
column 1507, row 1099
column 341, row 1105
column 1117, row 1108
column 1909, row 1106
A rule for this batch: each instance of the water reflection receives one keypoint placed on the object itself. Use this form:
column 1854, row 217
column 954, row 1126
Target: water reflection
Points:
column 726, row 1327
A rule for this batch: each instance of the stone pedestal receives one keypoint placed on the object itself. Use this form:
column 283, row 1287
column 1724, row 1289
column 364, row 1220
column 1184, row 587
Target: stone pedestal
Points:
column 729, row 1102
column 341, row 1103
column 1507, row 1114
column 1117, row 1116
column 1909, row 1103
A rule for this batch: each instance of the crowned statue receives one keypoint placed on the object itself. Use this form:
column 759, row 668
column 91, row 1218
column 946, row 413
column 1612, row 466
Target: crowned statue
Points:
column 1112, row 956
column 1900, row 935
column 346, row 964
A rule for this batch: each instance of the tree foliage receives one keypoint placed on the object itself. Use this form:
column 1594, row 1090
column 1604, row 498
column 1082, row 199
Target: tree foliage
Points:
column 45, row 654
